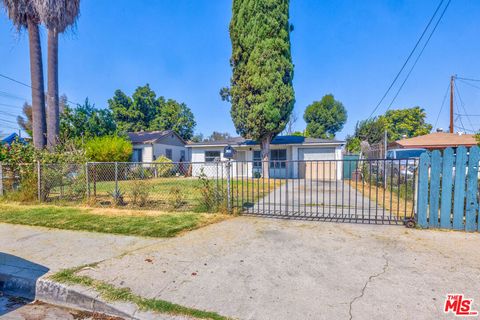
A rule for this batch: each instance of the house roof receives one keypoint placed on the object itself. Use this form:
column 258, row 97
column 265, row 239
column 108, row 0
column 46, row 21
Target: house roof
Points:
column 11, row 138
column 279, row 140
column 146, row 137
column 438, row 140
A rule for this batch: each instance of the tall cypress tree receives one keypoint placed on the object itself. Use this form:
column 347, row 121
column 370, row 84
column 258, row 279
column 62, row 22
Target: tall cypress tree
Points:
column 261, row 89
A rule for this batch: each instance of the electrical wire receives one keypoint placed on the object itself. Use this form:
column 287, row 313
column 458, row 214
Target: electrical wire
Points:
column 468, row 79
column 407, row 60
column 441, row 107
column 462, row 104
column 419, row 55
column 27, row 85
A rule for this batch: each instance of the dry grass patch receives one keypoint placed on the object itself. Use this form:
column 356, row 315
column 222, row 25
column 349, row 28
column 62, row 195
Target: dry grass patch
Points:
column 387, row 198
column 135, row 222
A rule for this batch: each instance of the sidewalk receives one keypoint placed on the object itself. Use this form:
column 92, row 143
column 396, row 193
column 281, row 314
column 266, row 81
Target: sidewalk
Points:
column 252, row 268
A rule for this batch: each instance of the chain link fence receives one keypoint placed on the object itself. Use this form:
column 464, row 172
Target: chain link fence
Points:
column 167, row 186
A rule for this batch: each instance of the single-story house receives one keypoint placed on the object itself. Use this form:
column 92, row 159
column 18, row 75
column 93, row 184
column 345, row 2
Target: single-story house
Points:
column 286, row 155
column 436, row 141
column 149, row 146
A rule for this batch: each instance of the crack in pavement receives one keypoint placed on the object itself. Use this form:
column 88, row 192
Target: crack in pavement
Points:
column 373, row 276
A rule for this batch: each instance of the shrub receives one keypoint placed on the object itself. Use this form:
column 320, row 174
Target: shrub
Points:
column 109, row 149
column 164, row 167
column 211, row 196
column 140, row 191
column 118, row 197
column 177, row 198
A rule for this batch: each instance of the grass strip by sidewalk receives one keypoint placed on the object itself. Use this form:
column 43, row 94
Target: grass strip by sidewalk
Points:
column 111, row 293
column 72, row 218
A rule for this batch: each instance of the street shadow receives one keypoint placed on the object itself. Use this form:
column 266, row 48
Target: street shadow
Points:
column 18, row 278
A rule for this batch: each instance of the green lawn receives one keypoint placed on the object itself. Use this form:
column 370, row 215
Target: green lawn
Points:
column 154, row 224
column 161, row 191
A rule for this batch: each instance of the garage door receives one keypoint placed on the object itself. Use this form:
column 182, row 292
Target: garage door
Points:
column 316, row 166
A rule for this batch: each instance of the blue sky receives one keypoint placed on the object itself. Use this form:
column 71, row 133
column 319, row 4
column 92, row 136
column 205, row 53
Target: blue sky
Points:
column 350, row 48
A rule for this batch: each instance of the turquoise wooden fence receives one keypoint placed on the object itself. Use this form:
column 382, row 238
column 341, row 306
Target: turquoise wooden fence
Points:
column 448, row 189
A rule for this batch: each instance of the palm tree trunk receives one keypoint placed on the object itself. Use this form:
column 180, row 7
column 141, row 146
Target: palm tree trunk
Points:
column 53, row 119
column 38, row 95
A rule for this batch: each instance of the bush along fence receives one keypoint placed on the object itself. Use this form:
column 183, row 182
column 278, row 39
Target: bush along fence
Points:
column 448, row 189
column 162, row 186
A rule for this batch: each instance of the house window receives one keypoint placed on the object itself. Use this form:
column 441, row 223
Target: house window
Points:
column 278, row 158
column 212, row 156
column 168, row 153
column 182, row 155
column 257, row 159
column 137, row 155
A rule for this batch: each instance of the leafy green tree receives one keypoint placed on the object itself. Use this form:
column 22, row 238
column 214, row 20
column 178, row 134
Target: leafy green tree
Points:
column 109, row 149
column 197, row 137
column 25, row 120
column 218, row 136
column 370, row 130
column 324, row 118
column 261, row 91
column 408, row 122
column 353, row 144
column 175, row 116
column 86, row 121
column 144, row 111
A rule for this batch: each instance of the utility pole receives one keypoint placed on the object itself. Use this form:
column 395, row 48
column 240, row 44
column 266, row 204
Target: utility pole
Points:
column 452, row 84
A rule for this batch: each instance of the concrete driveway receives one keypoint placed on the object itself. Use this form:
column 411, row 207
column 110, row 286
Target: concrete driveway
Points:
column 320, row 200
column 256, row 268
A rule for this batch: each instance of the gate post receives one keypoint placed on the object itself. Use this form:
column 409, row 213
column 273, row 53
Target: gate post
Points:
column 1, row 179
column 39, row 181
column 229, row 196
column 116, row 176
column 87, row 181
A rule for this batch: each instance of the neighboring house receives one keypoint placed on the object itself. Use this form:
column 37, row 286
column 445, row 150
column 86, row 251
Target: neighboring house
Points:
column 286, row 157
column 12, row 138
column 149, row 146
column 436, row 141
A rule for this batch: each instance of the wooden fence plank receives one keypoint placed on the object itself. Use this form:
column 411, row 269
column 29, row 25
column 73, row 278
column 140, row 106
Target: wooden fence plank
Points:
column 459, row 192
column 435, row 174
column 422, row 204
column 472, row 189
column 447, row 187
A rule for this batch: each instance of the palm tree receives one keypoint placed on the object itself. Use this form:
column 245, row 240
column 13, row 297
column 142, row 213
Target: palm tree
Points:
column 23, row 14
column 57, row 15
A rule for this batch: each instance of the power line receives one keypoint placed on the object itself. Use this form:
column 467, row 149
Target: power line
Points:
column 10, row 105
column 11, row 96
column 27, row 85
column 465, row 129
column 419, row 55
column 468, row 79
column 469, row 84
column 463, row 106
column 441, row 107
column 407, row 60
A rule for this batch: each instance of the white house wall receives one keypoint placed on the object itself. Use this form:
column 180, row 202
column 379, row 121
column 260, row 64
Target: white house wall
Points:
column 147, row 152
column 161, row 150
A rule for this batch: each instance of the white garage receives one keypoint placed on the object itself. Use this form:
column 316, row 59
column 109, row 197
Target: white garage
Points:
column 318, row 163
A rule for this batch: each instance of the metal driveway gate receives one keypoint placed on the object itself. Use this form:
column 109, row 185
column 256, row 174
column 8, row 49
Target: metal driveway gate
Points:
column 371, row 191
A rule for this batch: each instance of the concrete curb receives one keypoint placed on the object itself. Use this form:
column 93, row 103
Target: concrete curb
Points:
column 81, row 298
